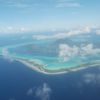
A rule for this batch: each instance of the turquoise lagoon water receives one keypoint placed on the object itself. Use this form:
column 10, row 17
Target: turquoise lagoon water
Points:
column 45, row 52
column 48, row 61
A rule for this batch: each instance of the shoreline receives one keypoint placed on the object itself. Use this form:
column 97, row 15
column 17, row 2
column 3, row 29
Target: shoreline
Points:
column 43, row 70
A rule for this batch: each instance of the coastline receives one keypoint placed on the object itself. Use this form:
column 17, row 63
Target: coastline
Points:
column 42, row 69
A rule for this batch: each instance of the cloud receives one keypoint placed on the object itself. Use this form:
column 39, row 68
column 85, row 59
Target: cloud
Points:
column 30, row 92
column 64, row 0
column 20, row 3
column 13, row 30
column 68, row 4
column 67, row 52
column 14, row 3
column 84, row 30
column 41, row 37
column 91, row 78
column 88, row 78
column 12, row 99
column 89, row 49
column 6, row 55
column 10, row 28
column 46, row 37
column 57, row 35
column 24, row 37
column 62, row 35
column 98, row 32
column 43, row 92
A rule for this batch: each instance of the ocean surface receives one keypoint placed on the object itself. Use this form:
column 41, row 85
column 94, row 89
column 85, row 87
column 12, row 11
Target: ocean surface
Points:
column 53, row 53
column 18, row 82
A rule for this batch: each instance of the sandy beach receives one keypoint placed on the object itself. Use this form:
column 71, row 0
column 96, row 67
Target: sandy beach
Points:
column 43, row 69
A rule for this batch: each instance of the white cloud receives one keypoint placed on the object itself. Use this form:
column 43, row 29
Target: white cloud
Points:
column 24, row 37
column 79, row 31
column 46, row 37
column 41, row 37
column 68, row 4
column 13, row 30
column 54, row 36
column 91, row 78
column 18, row 5
column 89, row 49
column 98, row 32
column 6, row 55
column 88, row 78
column 75, row 32
column 72, row 32
column 24, row 29
column 12, row 99
column 64, row 0
column 14, row 3
column 30, row 91
column 67, row 52
column 7, row 29
column 43, row 92
column 87, row 29
column 10, row 28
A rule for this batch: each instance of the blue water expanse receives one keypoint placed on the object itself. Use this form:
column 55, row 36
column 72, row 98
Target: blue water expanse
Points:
column 53, row 52
column 19, row 82
column 49, row 49
column 16, row 79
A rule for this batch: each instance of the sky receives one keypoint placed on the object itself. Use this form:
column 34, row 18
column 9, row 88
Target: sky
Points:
column 43, row 15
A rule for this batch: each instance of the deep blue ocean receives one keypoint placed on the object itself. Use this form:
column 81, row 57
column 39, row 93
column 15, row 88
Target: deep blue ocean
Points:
column 17, row 81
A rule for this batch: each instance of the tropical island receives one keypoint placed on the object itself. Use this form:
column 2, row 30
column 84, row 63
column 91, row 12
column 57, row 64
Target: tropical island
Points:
column 41, row 68
column 52, row 57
